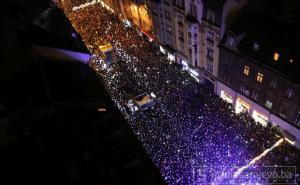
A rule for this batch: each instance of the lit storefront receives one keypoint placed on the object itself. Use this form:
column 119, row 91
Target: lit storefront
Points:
column 225, row 96
column 241, row 106
column 258, row 117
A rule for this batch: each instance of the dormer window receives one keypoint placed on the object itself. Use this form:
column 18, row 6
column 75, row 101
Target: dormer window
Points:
column 256, row 46
column 230, row 41
column 210, row 16
column 276, row 56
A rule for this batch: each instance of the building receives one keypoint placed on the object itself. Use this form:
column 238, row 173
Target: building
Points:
column 188, row 31
column 176, row 24
column 135, row 11
column 217, row 16
column 259, row 71
column 193, row 29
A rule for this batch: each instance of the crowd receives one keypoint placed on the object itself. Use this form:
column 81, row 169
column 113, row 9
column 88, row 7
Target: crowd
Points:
column 191, row 135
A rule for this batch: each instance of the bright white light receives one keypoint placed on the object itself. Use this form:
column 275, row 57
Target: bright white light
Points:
column 162, row 50
column 127, row 23
column 184, row 63
column 152, row 95
column 226, row 97
column 75, row 8
column 289, row 141
column 171, row 57
column 194, row 72
column 240, row 170
column 260, row 118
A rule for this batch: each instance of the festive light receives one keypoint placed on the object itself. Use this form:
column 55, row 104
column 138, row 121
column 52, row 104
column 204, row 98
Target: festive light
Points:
column 189, row 126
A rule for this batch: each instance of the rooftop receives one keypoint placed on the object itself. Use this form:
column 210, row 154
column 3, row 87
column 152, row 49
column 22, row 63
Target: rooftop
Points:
column 271, row 42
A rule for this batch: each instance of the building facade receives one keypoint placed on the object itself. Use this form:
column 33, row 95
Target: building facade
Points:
column 187, row 30
column 198, row 34
column 176, row 27
column 259, row 74
column 217, row 15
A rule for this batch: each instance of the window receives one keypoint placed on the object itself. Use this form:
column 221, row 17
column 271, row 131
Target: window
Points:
column 259, row 77
column 269, row 104
column 193, row 10
column 181, row 46
column 210, row 67
column 289, row 93
column 190, row 54
column 169, row 29
column 167, row 15
column 246, row 70
column 276, row 56
column 210, row 16
column 210, row 35
column 210, row 53
column 179, row 3
column 190, row 38
column 256, row 46
column 273, row 84
column 244, row 90
column 283, row 111
column 180, row 20
column 196, row 62
column 254, row 95
column 227, row 61
column 181, row 36
column 230, row 41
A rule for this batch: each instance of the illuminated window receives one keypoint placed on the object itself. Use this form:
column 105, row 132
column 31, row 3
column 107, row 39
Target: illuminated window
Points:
column 246, row 70
column 259, row 77
column 269, row 104
column 276, row 56
column 255, row 46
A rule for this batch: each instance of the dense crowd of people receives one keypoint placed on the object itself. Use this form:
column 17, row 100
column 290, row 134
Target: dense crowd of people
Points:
column 192, row 135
